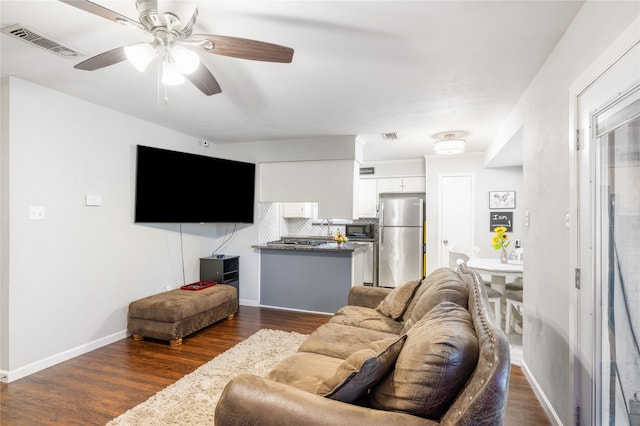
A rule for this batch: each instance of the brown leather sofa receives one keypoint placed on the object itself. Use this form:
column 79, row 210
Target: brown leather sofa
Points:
column 427, row 352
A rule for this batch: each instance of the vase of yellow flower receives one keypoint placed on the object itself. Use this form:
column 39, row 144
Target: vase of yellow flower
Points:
column 340, row 238
column 500, row 241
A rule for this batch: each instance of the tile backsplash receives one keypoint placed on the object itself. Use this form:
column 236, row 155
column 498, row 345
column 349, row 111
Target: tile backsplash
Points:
column 271, row 225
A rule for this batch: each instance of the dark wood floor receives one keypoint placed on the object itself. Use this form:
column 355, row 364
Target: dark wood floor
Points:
column 96, row 387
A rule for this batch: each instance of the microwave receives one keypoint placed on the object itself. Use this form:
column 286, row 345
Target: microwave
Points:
column 359, row 230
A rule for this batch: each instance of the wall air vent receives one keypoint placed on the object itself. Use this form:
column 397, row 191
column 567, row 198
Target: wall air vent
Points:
column 391, row 136
column 39, row 40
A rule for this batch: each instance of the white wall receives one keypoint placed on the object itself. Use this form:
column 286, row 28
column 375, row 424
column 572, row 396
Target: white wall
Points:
column 4, row 224
column 543, row 112
column 68, row 279
column 486, row 179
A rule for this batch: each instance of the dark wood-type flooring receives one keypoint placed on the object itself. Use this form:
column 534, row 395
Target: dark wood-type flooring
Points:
column 94, row 388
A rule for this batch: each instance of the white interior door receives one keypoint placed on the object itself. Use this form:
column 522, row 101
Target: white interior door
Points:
column 456, row 214
column 607, row 318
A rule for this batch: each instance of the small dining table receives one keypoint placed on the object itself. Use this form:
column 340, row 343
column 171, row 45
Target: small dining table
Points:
column 497, row 269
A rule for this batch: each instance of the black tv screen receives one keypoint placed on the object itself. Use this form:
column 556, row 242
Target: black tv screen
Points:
column 177, row 187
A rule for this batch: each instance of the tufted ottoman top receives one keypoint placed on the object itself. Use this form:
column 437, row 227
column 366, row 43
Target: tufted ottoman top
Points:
column 175, row 305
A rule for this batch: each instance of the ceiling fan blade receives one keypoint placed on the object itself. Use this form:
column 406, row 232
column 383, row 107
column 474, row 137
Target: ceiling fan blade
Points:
column 103, row 60
column 247, row 49
column 103, row 12
column 204, row 80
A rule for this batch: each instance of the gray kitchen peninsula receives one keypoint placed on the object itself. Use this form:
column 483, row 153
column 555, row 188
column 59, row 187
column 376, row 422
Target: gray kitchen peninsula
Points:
column 309, row 275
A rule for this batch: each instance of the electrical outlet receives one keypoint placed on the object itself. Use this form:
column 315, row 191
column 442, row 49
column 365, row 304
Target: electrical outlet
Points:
column 36, row 213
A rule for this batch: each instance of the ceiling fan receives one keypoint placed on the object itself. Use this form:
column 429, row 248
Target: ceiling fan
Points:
column 171, row 25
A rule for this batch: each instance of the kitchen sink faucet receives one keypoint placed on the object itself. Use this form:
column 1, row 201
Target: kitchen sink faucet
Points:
column 329, row 227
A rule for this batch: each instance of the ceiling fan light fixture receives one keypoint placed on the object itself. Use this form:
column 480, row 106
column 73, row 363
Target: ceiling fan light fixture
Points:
column 171, row 75
column 140, row 55
column 449, row 145
column 187, row 60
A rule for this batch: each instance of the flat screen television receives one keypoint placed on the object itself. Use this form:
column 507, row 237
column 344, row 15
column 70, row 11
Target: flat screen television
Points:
column 178, row 187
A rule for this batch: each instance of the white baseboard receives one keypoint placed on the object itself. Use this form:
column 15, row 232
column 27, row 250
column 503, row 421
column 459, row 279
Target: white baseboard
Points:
column 297, row 310
column 544, row 401
column 34, row 367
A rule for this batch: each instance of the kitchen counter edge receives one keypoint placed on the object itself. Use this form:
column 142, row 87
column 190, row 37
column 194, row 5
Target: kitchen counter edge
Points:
column 326, row 247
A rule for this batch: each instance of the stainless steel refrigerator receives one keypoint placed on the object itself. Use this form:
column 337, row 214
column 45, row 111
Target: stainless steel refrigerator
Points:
column 400, row 239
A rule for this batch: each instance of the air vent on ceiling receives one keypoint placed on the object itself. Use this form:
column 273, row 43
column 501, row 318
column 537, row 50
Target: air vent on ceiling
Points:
column 39, row 40
column 391, row 136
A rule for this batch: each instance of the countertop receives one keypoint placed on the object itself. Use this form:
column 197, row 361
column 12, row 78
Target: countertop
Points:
column 329, row 246
column 352, row 245
column 330, row 238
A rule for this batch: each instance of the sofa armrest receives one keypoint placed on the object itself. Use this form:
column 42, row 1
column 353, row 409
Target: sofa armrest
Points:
column 368, row 297
column 253, row 400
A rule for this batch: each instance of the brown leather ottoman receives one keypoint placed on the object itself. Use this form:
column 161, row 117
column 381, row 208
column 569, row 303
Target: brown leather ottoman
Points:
column 177, row 313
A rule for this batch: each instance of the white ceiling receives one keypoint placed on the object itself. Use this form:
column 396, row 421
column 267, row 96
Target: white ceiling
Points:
column 418, row 68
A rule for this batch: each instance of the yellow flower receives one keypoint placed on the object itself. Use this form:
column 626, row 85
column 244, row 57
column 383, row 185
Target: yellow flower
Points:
column 500, row 240
column 340, row 238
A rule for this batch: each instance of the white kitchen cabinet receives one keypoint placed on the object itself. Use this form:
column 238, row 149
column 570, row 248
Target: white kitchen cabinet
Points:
column 368, row 263
column 401, row 184
column 297, row 210
column 389, row 185
column 414, row 184
column 368, row 198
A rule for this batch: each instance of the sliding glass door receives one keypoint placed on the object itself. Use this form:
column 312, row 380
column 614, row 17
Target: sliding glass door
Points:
column 617, row 260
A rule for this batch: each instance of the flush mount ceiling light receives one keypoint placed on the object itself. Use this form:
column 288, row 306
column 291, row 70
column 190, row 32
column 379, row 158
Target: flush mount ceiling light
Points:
column 449, row 145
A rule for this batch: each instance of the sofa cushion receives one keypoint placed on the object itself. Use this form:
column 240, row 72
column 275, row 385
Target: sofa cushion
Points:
column 360, row 371
column 444, row 285
column 340, row 341
column 436, row 275
column 304, row 370
column 438, row 357
column 395, row 303
column 368, row 318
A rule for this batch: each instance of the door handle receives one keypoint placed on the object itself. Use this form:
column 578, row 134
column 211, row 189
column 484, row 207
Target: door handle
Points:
column 445, row 242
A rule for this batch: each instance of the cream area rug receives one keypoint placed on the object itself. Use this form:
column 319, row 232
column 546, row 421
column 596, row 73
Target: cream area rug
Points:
column 192, row 399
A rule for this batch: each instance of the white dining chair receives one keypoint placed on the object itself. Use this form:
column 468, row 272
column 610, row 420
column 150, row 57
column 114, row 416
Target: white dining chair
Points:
column 514, row 305
column 495, row 298
column 459, row 255
column 456, row 255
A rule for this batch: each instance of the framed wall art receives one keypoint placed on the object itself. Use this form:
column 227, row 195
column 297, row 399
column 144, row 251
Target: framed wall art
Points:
column 502, row 199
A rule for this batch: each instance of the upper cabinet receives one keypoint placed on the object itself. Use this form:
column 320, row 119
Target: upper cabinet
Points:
column 401, row 184
column 368, row 198
column 371, row 188
column 297, row 210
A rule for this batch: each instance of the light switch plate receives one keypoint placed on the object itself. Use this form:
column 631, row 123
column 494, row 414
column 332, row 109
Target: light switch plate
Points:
column 93, row 200
column 36, row 213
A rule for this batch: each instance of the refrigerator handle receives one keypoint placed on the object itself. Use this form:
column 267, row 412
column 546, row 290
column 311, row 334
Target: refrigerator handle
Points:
column 381, row 223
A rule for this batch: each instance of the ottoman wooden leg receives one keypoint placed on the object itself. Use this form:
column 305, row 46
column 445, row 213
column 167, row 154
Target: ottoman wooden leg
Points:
column 138, row 337
column 230, row 316
column 175, row 342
